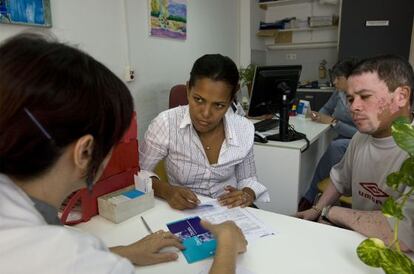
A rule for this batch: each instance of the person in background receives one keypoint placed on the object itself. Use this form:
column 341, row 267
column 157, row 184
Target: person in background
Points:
column 335, row 113
column 379, row 91
column 53, row 141
column 207, row 147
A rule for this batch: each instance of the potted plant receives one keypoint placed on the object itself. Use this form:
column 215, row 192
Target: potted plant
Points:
column 372, row 251
column 246, row 77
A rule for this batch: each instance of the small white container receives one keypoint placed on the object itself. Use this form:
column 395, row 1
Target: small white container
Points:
column 125, row 203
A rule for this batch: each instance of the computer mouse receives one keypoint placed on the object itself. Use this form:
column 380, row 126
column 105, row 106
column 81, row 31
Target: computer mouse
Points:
column 259, row 137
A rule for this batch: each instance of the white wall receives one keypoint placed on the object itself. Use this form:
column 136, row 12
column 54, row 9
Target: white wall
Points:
column 100, row 28
column 93, row 25
column 212, row 27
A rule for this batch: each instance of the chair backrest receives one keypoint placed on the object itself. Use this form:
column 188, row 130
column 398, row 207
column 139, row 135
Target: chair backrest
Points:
column 178, row 96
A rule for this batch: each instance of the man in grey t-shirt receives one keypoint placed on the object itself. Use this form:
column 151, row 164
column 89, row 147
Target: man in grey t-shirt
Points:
column 379, row 91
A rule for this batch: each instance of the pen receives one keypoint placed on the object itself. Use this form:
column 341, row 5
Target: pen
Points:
column 146, row 225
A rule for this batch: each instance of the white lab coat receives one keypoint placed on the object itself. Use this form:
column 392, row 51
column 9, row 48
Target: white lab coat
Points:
column 29, row 245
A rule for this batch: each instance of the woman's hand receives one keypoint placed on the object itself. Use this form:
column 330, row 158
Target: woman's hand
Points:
column 146, row 250
column 228, row 234
column 321, row 118
column 181, row 198
column 235, row 197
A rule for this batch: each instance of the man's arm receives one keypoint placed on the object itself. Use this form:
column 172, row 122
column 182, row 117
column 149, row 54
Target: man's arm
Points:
column 368, row 223
column 329, row 196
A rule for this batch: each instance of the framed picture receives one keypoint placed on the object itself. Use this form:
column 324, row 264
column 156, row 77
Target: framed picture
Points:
column 26, row 12
column 168, row 18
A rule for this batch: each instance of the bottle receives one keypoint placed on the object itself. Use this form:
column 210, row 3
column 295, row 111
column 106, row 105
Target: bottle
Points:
column 322, row 69
column 293, row 111
column 245, row 103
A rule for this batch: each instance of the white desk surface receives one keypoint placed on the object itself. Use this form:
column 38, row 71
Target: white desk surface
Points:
column 304, row 125
column 298, row 247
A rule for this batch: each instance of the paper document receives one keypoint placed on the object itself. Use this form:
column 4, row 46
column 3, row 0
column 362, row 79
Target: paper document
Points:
column 251, row 226
column 143, row 181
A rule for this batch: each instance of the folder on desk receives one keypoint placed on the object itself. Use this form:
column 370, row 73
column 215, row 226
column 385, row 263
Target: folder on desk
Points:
column 199, row 243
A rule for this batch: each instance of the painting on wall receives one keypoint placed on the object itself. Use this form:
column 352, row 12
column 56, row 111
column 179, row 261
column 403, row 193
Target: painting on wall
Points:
column 168, row 18
column 26, row 12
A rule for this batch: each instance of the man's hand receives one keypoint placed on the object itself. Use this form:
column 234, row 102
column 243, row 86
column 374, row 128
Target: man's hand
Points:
column 311, row 214
column 181, row 198
column 235, row 197
column 321, row 118
column 146, row 250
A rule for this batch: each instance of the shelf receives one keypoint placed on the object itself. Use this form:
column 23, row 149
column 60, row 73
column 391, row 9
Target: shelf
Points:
column 309, row 29
column 264, row 5
column 267, row 32
column 309, row 45
column 274, row 32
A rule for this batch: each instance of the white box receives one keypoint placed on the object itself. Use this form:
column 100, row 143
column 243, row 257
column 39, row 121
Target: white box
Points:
column 303, row 110
column 117, row 207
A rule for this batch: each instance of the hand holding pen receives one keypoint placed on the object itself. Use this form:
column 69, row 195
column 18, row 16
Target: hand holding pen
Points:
column 181, row 198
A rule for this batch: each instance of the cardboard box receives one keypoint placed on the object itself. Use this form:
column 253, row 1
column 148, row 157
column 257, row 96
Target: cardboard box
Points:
column 283, row 37
column 125, row 203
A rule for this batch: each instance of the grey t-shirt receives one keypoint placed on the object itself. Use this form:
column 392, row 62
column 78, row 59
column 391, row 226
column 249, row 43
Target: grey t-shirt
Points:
column 363, row 173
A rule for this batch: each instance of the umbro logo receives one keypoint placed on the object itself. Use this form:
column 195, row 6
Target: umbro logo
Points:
column 374, row 190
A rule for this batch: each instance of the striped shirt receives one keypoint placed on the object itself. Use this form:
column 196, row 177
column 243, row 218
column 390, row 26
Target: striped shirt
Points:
column 172, row 137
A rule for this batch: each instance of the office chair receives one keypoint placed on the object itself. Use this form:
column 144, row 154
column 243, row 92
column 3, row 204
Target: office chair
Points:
column 344, row 200
column 178, row 96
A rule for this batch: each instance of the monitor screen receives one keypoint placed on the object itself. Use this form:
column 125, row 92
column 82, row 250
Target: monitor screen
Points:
column 270, row 83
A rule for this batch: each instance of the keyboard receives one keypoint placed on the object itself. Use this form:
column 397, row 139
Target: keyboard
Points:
column 266, row 125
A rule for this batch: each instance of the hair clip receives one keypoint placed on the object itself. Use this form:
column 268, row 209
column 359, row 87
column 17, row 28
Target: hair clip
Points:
column 38, row 124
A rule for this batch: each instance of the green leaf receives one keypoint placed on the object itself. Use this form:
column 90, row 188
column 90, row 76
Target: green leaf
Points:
column 407, row 169
column 403, row 134
column 391, row 208
column 395, row 262
column 394, row 180
column 370, row 251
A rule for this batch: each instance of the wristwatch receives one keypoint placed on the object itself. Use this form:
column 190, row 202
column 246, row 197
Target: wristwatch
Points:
column 334, row 122
column 325, row 212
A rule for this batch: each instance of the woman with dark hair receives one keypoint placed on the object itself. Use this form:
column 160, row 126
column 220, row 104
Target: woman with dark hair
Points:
column 335, row 113
column 61, row 113
column 208, row 149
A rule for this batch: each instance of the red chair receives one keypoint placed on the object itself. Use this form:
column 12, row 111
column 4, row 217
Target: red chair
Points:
column 178, row 96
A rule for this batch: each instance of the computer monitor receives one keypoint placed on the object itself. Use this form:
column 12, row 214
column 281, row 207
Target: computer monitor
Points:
column 274, row 90
column 270, row 83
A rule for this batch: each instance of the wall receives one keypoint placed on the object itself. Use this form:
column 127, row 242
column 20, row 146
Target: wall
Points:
column 83, row 24
column 395, row 38
column 258, row 50
column 161, row 63
column 103, row 29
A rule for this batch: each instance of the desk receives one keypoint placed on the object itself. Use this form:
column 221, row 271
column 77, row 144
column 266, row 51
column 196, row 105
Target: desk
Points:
column 286, row 169
column 298, row 247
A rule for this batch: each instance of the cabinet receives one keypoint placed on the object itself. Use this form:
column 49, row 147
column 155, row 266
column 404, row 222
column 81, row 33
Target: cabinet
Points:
column 302, row 37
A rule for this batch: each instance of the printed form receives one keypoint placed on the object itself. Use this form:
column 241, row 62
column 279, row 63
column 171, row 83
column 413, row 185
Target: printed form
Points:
column 210, row 210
